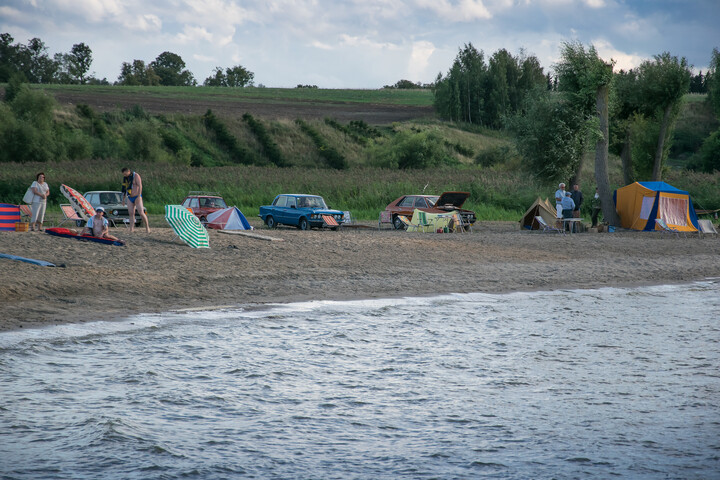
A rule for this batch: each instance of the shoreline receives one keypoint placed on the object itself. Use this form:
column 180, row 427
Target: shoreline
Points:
column 156, row 273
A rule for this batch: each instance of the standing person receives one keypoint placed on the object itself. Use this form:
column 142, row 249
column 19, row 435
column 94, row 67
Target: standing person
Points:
column 132, row 191
column 568, row 205
column 577, row 197
column 559, row 195
column 97, row 225
column 596, row 207
column 41, row 191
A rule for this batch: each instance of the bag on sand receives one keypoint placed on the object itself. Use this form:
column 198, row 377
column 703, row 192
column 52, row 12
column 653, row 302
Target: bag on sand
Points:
column 29, row 195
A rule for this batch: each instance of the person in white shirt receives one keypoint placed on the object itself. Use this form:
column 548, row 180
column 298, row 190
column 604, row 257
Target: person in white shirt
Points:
column 41, row 191
column 559, row 195
column 97, row 225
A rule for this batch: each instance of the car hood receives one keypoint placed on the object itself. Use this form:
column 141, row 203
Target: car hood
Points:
column 455, row 199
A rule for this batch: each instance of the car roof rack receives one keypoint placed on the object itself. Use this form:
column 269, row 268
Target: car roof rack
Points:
column 214, row 194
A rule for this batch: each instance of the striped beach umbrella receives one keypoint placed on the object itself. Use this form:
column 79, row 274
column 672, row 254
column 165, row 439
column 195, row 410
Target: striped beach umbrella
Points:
column 78, row 202
column 187, row 226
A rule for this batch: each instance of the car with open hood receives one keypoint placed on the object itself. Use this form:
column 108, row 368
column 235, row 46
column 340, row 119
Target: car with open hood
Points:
column 301, row 211
column 111, row 201
column 446, row 202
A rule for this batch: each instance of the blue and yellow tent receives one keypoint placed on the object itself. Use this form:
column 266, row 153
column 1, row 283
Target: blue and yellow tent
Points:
column 641, row 203
column 9, row 214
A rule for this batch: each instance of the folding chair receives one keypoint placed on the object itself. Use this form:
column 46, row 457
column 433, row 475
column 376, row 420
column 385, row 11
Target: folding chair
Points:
column 419, row 222
column 70, row 215
column 665, row 228
column 547, row 228
column 25, row 211
column 706, row 228
column 385, row 217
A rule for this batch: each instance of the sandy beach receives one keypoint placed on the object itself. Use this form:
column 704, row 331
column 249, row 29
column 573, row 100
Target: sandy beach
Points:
column 156, row 272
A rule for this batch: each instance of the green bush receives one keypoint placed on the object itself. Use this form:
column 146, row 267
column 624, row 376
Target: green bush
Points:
column 270, row 148
column 238, row 153
column 501, row 154
column 413, row 150
column 333, row 158
column 143, row 141
column 710, row 153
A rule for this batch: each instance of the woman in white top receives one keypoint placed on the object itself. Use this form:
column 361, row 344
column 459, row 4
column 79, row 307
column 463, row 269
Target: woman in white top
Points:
column 41, row 191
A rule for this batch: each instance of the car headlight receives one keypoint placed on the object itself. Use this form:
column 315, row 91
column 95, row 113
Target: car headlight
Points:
column 115, row 212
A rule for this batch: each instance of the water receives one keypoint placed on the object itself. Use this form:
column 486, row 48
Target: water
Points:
column 572, row 384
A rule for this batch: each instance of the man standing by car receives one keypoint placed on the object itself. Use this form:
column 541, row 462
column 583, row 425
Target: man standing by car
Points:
column 132, row 192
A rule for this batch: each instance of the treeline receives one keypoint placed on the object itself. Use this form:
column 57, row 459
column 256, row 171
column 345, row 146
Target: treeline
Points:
column 553, row 118
column 31, row 63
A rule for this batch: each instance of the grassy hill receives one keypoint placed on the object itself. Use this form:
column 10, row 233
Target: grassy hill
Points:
column 346, row 145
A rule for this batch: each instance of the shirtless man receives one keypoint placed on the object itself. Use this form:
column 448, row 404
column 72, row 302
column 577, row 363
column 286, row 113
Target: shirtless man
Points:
column 97, row 225
column 132, row 190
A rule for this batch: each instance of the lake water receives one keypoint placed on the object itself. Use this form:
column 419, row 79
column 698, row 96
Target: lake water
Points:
column 590, row 384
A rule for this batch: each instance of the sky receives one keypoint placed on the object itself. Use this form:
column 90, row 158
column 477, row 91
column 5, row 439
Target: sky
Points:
column 359, row 43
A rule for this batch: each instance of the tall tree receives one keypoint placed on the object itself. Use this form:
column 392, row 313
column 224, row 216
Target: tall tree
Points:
column 170, row 67
column 137, row 73
column 663, row 83
column 237, row 76
column 78, row 62
column 584, row 78
column 712, row 79
column 549, row 133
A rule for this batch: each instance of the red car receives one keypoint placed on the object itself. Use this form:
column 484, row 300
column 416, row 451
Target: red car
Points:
column 203, row 204
column 446, row 202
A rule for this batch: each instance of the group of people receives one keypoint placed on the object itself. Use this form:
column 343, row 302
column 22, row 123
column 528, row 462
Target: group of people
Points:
column 97, row 225
column 568, row 204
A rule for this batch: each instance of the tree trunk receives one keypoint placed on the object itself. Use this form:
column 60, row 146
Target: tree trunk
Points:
column 657, row 167
column 626, row 157
column 575, row 180
column 601, row 158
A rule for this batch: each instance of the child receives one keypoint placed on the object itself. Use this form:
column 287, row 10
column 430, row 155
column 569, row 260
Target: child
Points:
column 97, row 225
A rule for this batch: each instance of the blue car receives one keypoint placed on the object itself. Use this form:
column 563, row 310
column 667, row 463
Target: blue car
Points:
column 301, row 211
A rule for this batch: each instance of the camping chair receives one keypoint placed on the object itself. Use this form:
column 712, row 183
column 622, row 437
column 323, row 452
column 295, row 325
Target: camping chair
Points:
column 706, row 228
column 419, row 222
column 665, row 228
column 547, row 228
column 69, row 214
column 25, row 211
column 385, row 217
column 404, row 220
column 459, row 224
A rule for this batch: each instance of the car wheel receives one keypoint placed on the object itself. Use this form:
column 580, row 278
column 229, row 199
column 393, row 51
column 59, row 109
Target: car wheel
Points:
column 303, row 225
column 79, row 223
column 398, row 224
column 270, row 222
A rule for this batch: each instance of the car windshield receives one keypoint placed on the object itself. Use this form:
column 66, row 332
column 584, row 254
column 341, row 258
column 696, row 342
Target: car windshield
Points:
column 311, row 202
column 110, row 198
column 213, row 202
column 432, row 200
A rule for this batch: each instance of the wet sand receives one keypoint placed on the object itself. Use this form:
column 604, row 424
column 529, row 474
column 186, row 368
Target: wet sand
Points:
column 156, row 272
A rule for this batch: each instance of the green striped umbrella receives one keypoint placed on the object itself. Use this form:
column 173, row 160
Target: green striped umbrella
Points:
column 187, row 226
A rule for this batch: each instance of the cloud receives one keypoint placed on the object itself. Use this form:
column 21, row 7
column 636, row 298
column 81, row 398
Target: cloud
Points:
column 143, row 23
column 420, row 59
column 462, row 11
column 623, row 60
column 92, row 10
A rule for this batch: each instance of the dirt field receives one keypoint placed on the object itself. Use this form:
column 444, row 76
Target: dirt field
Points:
column 373, row 114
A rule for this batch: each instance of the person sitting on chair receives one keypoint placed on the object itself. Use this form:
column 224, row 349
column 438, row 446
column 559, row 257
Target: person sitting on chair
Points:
column 97, row 225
